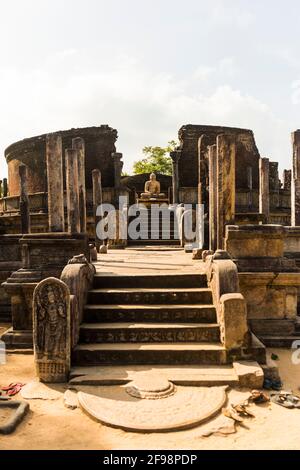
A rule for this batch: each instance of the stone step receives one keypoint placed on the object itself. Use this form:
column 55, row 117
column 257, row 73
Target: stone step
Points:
column 150, row 280
column 139, row 353
column 280, row 341
column 185, row 375
column 150, row 313
column 153, row 242
column 149, row 333
column 150, row 296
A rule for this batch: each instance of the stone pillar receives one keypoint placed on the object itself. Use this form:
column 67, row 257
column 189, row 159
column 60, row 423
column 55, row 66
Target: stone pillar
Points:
column 54, row 162
column 213, row 199
column 175, row 155
column 203, row 143
column 72, row 191
column 287, row 178
column 264, row 192
column 24, row 201
column 97, row 201
column 295, row 186
column 118, row 165
column 78, row 144
column 5, row 187
column 1, row 189
column 226, row 151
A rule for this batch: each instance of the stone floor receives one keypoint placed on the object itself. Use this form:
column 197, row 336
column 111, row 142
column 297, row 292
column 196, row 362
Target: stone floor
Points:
column 147, row 260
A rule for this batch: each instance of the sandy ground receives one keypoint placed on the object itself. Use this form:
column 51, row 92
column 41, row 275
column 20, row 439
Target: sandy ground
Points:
column 50, row 425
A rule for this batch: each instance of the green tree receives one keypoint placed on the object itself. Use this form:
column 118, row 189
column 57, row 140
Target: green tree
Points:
column 157, row 160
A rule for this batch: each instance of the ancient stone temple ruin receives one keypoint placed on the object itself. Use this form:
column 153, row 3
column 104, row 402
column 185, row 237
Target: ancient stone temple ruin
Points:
column 233, row 291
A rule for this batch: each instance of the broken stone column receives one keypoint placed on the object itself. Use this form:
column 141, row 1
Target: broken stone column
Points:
column 1, row 189
column 295, row 187
column 78, row 144
column 226, row 151
column 287, row 179
column 213, row 199
column 118, row 165
column 72, row 191
column 175, row 155
column 97, row 201
column 5, row 187
column 264, row 192
column 203, row 143
column 52, row 330
column 24, row 200
column 54, row 162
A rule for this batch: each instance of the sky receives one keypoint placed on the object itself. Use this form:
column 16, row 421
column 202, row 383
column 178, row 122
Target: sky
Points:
column 146, row 67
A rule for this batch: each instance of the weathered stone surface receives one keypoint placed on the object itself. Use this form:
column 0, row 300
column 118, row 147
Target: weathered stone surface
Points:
column 79, row 145
column 52, row 330
column 24, row 201
column 197, row 253
column 213, row 198
column 103, row 250
column 93, row 252
column 270, row 295
column 255, row 241
column 150, row 388
column 295, row 185
column 233, row 317
column 99, row 143
column 70, row 399
column 72, row 191
column 97, row 201
column 79, row 278
column 186, row 408
column 264, row 198
column 54, row 165
column 175, row 155
column 226, row 158
column 250, row 374
column 36, row 390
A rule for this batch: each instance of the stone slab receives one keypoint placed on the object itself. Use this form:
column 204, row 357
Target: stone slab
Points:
column 188, row 407
column 36, row 390
column 186, row 375
column 250, row 374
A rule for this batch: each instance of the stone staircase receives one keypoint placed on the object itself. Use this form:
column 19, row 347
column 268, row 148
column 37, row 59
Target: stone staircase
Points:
column 155, row 231
column 151, row 321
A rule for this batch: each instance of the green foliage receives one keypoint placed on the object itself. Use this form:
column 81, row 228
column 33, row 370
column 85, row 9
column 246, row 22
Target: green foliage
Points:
column 157, row 160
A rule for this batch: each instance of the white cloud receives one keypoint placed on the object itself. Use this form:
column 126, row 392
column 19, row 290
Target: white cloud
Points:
column 146, row 107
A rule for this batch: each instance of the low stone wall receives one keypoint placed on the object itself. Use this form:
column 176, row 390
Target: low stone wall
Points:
column 230, row 304
column 271, row 301
column 269, row 281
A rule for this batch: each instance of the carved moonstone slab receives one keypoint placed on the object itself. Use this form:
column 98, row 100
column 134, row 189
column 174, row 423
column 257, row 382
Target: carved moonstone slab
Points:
column 151, row 388
column 51, row 330
column 186, row 408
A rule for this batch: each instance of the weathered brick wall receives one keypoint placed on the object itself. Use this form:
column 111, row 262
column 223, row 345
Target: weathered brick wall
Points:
column 99, row 143
column 247, row 153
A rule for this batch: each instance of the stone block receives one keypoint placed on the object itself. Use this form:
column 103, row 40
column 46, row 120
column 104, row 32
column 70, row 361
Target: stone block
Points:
column 254, row 241
column 233, row 322
column 250, row 374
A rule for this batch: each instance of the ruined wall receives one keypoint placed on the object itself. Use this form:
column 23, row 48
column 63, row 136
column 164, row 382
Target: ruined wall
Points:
column 247, row 153
column 99, row 144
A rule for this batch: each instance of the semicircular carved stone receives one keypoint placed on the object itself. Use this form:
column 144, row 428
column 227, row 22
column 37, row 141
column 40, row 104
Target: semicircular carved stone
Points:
column 51, row 330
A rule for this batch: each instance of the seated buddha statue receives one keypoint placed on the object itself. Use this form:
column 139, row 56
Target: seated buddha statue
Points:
column 152, row 188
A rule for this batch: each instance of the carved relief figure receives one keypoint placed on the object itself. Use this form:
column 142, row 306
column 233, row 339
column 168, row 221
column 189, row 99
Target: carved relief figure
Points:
column 51, row 304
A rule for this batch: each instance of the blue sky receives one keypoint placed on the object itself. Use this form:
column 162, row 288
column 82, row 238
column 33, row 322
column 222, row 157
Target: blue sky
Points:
column 147, row 67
